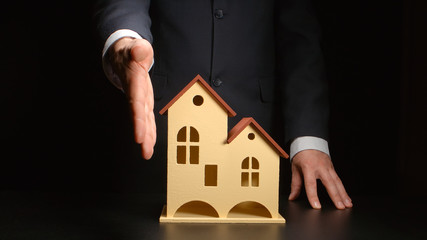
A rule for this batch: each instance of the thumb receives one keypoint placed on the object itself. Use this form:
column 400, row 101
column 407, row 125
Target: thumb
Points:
column 142, row 52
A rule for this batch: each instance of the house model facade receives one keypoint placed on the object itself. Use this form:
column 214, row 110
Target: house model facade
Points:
column 213, row 175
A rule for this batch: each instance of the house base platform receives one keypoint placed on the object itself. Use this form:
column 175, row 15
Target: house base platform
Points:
column 197, row 218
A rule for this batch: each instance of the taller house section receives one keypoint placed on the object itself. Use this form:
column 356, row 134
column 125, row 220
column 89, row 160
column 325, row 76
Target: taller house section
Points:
column 196, row 140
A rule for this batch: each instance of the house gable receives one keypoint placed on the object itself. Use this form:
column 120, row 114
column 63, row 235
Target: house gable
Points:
column 240, row 126
column 212, row 92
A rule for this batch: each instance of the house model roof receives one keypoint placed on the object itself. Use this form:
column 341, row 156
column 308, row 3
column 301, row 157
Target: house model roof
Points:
column 240, row 126
column 215, row 95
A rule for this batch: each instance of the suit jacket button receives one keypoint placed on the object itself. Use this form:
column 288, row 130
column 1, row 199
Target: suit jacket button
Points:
column 217, row 82
column 218, row 13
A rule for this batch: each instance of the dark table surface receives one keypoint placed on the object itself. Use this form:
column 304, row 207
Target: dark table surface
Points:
column 53, row 215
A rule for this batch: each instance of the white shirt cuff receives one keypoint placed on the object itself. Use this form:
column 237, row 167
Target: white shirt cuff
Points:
column 106, row 65
column 305, row 143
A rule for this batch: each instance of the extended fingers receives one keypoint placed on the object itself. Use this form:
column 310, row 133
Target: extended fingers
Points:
column 137, row 101
column 311, row 190
column 341, row 190
column 142, row 102
column 336, row 190
column 296, row 183
column 149, row 138
column 332, row 189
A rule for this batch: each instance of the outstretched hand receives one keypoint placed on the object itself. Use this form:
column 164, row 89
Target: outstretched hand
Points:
column 310, row 165
column 131, row 59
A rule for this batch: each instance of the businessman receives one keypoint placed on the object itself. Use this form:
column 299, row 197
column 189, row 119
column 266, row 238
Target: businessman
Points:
column 256, row 54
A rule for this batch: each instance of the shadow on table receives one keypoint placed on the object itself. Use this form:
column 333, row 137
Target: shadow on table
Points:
column 302, row 223
column 181, row 231
column 307, row 223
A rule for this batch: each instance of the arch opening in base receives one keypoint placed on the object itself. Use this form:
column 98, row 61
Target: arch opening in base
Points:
column 249, row 209
column 196, row 209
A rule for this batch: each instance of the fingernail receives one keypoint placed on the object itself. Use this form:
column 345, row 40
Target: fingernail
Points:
column 317, row 205
column 348, row 203
column 340, row 205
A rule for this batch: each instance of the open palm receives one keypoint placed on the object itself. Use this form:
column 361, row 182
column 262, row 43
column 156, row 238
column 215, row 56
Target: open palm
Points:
column 131, row 59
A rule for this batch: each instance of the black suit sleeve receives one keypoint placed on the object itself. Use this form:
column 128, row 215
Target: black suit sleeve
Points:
column 301, row 70
column 112, row 15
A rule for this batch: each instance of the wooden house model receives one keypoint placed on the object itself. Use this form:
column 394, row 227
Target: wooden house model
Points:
column 213, row 175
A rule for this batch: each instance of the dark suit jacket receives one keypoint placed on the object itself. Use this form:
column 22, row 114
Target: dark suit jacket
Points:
column 262, row 57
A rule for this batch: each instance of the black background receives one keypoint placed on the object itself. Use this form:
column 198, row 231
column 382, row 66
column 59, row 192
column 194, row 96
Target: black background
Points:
column 64, row 127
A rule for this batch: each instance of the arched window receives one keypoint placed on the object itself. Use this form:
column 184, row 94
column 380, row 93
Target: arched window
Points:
column 188, row 146
column 250, row 172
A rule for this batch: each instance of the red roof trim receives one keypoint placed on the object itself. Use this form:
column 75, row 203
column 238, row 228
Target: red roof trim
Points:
column 244, row 123
column 198, row 78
